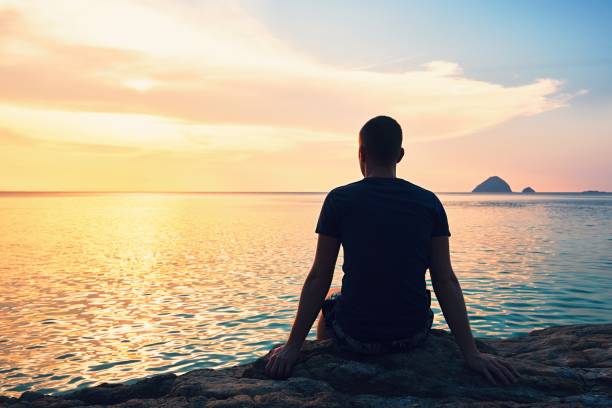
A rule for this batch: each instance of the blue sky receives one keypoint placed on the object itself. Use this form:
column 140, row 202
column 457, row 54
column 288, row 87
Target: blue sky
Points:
column 503, row 41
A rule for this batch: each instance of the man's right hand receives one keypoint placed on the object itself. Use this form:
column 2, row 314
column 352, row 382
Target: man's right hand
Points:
column 493, row 368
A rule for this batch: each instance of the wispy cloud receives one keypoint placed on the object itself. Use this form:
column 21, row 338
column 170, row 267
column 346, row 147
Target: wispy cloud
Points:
column 181, row 75
column 11, row 139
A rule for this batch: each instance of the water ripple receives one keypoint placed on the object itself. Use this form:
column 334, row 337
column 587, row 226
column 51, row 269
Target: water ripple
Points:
column 115, row 287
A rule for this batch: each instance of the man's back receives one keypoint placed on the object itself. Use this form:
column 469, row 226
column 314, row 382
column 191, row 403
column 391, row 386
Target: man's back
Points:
column 385, row 225
column 392, row 231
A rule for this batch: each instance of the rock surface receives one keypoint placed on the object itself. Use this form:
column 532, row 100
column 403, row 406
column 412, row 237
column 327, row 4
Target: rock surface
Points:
column 567, row 366
column 493, row 184
column 528, row 190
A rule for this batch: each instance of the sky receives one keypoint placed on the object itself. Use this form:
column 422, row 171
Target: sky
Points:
column 254, row 95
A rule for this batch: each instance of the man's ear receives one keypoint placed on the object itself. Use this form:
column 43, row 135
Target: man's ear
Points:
column 361, row 153
column 401, row 155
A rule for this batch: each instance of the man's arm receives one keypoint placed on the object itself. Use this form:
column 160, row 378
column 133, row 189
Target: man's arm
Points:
column 449, row 294
column 315, row 288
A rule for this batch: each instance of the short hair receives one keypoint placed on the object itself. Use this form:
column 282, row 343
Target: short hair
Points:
column 381, row 138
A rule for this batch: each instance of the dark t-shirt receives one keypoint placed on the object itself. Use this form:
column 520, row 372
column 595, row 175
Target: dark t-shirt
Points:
column 385, row 226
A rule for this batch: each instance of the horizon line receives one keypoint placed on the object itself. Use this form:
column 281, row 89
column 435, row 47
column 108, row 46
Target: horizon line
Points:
column 265, row 192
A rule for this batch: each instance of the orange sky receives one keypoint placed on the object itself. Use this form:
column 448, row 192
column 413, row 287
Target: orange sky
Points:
column 170, row 96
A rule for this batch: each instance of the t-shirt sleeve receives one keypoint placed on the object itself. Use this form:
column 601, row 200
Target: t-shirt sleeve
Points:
column 329, row 218
column 440, row 226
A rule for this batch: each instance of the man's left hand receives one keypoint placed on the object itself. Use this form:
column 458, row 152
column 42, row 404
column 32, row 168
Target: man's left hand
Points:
column 281, row 361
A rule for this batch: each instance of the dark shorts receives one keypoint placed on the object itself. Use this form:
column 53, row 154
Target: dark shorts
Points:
column 345, row 342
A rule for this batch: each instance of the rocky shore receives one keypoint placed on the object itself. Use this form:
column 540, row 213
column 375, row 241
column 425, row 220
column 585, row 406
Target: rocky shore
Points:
column 560, row 366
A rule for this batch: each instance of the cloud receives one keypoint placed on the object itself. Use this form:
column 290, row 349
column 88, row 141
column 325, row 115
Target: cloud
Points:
column 187, row 76
column 11, row 139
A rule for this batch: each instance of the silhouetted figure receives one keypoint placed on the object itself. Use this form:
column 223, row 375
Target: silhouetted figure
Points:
column 391, row 231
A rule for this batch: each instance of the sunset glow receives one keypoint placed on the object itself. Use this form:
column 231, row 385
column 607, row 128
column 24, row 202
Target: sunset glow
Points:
column 226, row 202
column 164, row 95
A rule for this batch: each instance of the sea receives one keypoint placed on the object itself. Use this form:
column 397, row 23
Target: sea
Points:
column 113, row 287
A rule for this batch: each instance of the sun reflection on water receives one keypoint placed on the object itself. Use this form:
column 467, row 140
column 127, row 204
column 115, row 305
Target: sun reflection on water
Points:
column 111, row 287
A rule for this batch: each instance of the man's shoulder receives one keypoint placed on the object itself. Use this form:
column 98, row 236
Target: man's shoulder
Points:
column 347, row 188
column 421, row 192
column 404, row 186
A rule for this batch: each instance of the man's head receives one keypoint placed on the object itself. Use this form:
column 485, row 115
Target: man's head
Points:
column 380, row 144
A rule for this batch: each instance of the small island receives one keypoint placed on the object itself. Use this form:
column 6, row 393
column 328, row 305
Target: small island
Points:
column 594, row 192
column 493, row 184
column 528, row 190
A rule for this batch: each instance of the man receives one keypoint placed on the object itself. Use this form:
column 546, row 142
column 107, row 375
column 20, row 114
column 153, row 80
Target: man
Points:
column 392, row 231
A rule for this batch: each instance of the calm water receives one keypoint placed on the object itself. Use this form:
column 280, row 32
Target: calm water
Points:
column 112, row 287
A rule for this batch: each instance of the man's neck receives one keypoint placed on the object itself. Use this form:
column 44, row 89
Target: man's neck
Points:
column 387, row 172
